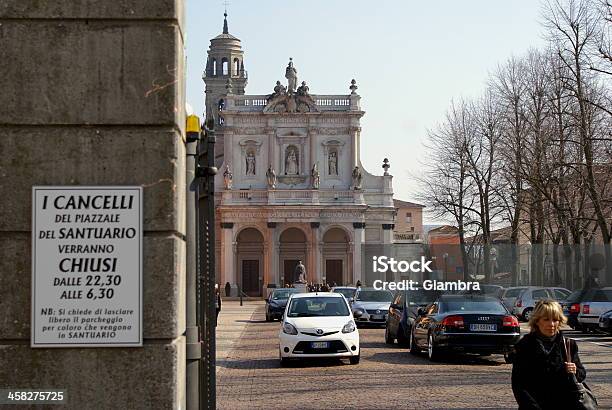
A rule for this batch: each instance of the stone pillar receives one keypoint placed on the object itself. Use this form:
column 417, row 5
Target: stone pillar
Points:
column 359, row 235
column 228, row 250
column 101, row 103
column 316, row 252
column 388, row 233
column 272, row 252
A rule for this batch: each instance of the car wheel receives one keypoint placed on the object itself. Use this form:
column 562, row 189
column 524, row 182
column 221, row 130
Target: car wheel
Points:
column 354, row 359
column 414, row 349
column 527, row 314
column 432, row 351
column 401, row 337
column 388, row 339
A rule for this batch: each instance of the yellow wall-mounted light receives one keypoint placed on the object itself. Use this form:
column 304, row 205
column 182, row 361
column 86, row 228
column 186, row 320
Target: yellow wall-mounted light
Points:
column 193, row 128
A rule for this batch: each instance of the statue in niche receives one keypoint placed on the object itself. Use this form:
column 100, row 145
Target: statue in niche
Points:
column 291, row 76
column 357, row 178
column 333, row 163
column 271, row 175
column 250, row 163
column 316, row 179
column 291, row 162
column 227, row 177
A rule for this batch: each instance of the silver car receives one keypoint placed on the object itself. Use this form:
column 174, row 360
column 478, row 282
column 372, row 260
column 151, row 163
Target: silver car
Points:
column 372, row 305
column 525, row 302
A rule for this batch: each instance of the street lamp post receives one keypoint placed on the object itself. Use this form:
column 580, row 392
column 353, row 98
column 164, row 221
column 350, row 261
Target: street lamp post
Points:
column 205, row 256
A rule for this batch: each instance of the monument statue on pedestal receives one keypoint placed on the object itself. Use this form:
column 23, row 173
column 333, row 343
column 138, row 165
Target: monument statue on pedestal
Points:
column 300, row 272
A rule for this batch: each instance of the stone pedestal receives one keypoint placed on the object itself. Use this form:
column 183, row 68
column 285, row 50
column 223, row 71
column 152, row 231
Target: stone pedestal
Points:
column 301, row 286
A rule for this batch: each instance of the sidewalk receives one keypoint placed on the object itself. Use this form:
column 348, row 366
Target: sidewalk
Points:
column 233, row 320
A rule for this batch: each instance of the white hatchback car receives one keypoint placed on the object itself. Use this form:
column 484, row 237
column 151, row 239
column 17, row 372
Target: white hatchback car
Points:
column 318, row 325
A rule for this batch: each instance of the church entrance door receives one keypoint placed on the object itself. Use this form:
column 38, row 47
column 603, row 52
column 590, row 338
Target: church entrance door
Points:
column 250, row 277
column 333, row 272
column 250, row 259
column 292, row 248
column 289, row 270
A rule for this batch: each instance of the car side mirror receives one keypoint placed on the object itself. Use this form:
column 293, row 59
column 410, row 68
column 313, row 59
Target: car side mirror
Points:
column 357, row 314
column 351, row 300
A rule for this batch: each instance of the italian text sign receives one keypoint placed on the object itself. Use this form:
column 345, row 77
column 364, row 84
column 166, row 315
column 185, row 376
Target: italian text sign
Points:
column 86, row 266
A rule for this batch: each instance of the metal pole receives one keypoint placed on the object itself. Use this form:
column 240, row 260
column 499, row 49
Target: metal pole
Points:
column 194, row 350
column 205, row 171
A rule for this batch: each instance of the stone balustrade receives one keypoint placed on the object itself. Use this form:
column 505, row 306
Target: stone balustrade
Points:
column 257, row 103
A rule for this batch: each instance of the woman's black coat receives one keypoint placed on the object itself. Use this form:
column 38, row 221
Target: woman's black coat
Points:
column 539, row 379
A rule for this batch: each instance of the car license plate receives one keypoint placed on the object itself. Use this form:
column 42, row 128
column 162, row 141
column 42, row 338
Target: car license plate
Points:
column 479, row 327
column 319, row 345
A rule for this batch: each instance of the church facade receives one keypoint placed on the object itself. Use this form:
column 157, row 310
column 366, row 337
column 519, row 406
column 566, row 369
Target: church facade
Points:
column 290, row 186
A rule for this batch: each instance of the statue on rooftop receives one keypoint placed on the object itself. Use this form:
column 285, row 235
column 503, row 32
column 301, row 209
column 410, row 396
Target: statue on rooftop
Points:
column 291, row 76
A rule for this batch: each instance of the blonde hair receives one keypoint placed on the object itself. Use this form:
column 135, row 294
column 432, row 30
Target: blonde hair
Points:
column 546, row 308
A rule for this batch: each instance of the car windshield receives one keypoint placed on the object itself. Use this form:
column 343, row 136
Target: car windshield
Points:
column 574, row 297
column 348, row 293
column 375, row 296
column 421, row 296
column 472, row 305
column 282, row 294
column 318, row 306
column 513, row 293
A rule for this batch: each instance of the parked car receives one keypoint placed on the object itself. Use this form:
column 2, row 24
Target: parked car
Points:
column 318, row 325
column 605, row 322
column 487, row 290
column 403, row 313
column 525, row 302
column 277, row 301
column 464, row 323
column 595, row 303
column 510, row 295
column 372, row 305
column 347, row 291
column 571, row 307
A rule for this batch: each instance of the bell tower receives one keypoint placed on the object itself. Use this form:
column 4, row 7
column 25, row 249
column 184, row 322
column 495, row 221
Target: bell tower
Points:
column 224, row 73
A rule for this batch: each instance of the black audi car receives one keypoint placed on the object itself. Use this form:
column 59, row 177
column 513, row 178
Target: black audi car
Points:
column 464, row 323
column 277, row 301
column 403, row 313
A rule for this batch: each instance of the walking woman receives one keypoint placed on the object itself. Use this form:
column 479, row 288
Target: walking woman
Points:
column 541, row 374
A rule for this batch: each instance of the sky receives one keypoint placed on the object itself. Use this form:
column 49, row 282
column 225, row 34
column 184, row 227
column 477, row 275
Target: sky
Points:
column 410, row 59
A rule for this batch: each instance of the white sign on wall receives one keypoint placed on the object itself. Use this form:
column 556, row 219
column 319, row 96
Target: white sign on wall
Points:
column 86, row 266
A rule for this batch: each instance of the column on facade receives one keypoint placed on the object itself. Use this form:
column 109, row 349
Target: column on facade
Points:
column 358, row 241
column 272, row 255
column 315, row 250
column 228, row 255
column 388, row 233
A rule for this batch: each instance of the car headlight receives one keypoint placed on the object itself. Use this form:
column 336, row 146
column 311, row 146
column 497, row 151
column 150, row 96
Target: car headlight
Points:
column 349, row 327
column 289, row 329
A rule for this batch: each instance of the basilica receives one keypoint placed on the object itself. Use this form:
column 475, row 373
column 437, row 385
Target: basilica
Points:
column 290, row 186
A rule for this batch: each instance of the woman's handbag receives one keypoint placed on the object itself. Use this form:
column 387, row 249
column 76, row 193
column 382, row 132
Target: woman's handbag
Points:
column 584, row 397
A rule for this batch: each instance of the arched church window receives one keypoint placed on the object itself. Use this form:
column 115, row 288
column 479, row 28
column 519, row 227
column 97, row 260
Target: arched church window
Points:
column 214, row 67
column 225, row 66
column 236, row 66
